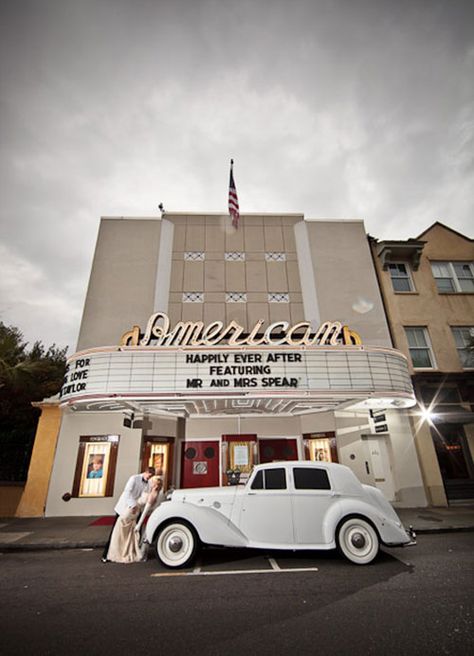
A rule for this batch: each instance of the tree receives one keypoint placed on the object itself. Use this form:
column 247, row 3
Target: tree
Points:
column 26, row 375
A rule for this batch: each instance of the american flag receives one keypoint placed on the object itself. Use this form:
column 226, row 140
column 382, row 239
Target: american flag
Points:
column 233, row 200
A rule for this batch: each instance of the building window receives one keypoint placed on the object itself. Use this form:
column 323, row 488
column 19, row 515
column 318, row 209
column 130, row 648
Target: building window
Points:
column 440, row 398
column 278, row 297
column 234, row 256
column 464, row 338
column 95, row 466
column 454, row 277
column 420, row 347
column 236, row 297
column 275, row 257
column 194, row 256
column 193, row 297
column 401, row 278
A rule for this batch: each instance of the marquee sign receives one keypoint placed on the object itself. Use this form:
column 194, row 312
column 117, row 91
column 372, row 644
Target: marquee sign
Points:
column 153, row 372
column 280, row 333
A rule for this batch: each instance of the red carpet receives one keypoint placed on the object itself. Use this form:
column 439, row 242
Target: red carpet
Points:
column 103, row 521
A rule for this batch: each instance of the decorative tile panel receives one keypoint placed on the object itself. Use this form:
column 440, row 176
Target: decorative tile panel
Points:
column 236, row 297
column 275, row 257
column 194, row 256
column 234, row 256
column 277, row 297
column 193, row 297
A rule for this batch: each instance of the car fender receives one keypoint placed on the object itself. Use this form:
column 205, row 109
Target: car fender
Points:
column 389, row 530
column 329, row 523
column 211, row 526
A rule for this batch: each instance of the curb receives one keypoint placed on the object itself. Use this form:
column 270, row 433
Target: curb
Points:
column 53, row 546
column 446, row 529
column 56, row 546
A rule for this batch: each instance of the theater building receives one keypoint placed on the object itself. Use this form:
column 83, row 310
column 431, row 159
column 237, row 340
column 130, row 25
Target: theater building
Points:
column 428, row 288
column 205, row 349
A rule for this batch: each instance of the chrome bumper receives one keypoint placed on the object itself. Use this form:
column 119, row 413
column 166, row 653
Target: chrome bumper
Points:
column 412, row 535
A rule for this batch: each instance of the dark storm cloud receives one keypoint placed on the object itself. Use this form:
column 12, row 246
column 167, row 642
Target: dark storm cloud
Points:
column 335, row 109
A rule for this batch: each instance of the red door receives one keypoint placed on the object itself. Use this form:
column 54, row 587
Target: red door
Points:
column 200, row 464
column 280, row 449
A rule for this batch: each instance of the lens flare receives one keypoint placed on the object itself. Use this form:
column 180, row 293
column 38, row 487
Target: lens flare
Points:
column 427, row 415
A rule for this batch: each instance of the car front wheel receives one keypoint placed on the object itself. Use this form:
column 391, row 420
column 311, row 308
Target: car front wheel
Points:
column 176, row 545
column 358, row 541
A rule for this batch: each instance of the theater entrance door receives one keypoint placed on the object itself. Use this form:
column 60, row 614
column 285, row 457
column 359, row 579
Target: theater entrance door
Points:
column 273, row 450
column 200, row 464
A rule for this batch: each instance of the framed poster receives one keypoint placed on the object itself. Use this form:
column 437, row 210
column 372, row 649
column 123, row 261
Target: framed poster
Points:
column 241, row 456
column 95, row 466
column 321, row 447
column 94, row 469
column 157, row 452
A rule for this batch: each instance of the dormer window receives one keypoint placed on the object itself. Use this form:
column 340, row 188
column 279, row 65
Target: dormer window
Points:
column 401, row 277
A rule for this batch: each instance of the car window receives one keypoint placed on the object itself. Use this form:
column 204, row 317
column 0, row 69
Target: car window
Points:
column 257, row 483
column 310, row 478
column 275, row 479
column 270, row 479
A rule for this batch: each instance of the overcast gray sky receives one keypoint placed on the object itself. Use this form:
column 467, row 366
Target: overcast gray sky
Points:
column 332, row 108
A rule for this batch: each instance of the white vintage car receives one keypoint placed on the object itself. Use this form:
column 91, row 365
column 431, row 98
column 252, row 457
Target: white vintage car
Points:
column 284, row 505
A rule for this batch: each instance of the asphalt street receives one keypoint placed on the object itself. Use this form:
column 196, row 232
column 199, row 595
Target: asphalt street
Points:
column 412, row 601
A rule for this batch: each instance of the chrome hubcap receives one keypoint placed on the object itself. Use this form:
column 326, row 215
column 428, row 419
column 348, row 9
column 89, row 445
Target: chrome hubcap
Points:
column 175, row 544
column 358, row 540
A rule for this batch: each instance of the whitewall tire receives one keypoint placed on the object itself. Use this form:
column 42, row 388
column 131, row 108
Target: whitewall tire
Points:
column 358, row 541
column 176, row 545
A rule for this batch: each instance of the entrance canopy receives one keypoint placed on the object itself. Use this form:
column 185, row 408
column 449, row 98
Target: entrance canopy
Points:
column 223, row 380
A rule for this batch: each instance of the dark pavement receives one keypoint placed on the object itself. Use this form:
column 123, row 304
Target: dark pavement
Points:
column 409, row 601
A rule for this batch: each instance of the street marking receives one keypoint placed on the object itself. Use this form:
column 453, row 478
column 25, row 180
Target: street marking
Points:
column 236, row 571
column 13, row 537
column 274, row 563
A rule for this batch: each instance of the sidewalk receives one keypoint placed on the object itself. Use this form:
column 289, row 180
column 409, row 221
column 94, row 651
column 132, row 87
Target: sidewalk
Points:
column 92, row 532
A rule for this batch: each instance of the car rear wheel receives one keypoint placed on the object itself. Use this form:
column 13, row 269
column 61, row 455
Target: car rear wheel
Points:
column 176, row 545
column 358, row 541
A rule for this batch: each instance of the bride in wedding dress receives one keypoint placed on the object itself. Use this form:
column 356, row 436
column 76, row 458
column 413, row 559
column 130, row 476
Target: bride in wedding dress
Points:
column 125, row 544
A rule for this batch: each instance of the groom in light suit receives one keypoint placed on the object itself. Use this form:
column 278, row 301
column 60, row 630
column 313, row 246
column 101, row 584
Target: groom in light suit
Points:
column 133, row 490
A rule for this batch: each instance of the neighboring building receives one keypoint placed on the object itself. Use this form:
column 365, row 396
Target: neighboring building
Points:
column 428, row 289
column 205, row 349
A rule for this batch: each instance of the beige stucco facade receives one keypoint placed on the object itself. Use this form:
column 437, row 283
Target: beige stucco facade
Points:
column 125, row 280
column 438, row 313
column 197, row 267
column 125, row 262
